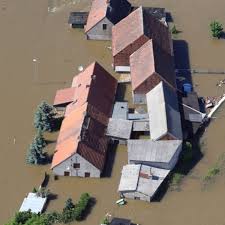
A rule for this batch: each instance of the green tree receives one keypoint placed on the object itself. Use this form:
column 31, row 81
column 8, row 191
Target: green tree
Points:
column 69, row 204
column 174, row 30
column 35, row 153
column 44, row 116
column 216, row 29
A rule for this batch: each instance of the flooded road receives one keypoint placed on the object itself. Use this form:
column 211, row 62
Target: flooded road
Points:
column 29, row 31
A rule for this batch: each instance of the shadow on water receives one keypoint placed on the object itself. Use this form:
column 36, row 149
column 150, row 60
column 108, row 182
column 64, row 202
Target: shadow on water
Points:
column 182, row 62
column 169, row 17
column 121, row 91
column 107, row 172
column 92, row 202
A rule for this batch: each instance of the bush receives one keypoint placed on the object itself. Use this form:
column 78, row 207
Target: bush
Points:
column 212, row 172
column 174, row 30
column 216, row 29
column 176, row 179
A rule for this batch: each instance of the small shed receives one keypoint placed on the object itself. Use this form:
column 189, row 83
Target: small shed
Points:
column 120, row 110
column 34, row 203
column 119, row 130
column 78, row 19
column 140, row 125
column 160, row 154
column 141, row 182
column 120, row 221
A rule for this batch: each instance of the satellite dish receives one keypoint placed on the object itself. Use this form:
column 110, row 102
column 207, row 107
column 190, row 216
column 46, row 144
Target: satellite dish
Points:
column 80, row 68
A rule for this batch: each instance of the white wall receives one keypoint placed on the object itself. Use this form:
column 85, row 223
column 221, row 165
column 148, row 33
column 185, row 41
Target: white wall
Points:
column 85, row 166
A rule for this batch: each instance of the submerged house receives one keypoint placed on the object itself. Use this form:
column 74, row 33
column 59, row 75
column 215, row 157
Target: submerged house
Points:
column 141, row 182
column 149, row 65
column 160, row 154
column 104, row 14
column 82, row 144
column 164, row 115
column 135, row 30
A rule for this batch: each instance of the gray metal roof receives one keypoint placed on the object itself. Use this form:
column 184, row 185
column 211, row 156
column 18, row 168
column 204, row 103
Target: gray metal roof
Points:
column 164, row 115
column 142, row 179
column 141, row 125
column 150, row 179
column 120, row 110
column 78, row 18
column 34, row 203
column 152, row 151
column 137, row 116
column 119, row 128
column 129, row 177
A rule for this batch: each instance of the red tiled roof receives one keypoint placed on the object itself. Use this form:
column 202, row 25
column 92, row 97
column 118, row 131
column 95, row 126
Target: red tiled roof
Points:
column 150, row 59
column 64, row 96
column 97, row 13
column 139, row 23
column 127, row 31
column 93, row 100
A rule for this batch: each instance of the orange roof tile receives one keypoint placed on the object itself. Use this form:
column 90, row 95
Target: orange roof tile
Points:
column 132, row 25
column 96, row 14
column 150, row 59
column 64, row 96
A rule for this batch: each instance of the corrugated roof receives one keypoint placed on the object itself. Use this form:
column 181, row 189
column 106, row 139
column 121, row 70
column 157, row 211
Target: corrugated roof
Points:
column 119, row 128
column 64, row 96
column 120, row 110
column 140, row 22
column 164, row 115
column 129, row 178
column 153, row 151
column 148, row 60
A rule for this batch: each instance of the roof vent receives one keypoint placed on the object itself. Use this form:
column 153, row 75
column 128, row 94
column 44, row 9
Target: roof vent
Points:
column 93, row 77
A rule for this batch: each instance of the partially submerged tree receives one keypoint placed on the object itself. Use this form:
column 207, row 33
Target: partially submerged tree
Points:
column 35, row 154
column 44, row 116
column 216, row 29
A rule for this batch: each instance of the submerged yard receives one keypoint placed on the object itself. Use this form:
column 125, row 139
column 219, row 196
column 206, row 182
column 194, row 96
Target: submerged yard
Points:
column 29, row 31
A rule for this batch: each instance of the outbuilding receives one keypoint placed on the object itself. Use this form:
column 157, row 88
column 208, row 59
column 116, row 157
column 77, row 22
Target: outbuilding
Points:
column 141, row 182
column 156, row 66
column 135, row 30
column 160, row 154
column 104, row 14
column 164, row 114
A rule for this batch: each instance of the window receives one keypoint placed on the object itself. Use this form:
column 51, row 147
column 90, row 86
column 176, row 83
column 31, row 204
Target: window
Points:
column 76, row 165
column 87, row 174
column 104, row 26
column 66, row 173
column 137, row 198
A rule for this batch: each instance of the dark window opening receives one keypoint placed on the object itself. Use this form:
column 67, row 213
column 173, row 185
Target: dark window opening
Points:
column 87, row 174
column 104, row 26
column 66, row 173
column 76, row 165
column 137, row 198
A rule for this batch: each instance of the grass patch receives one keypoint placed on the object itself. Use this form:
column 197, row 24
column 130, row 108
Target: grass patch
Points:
column 212, row 172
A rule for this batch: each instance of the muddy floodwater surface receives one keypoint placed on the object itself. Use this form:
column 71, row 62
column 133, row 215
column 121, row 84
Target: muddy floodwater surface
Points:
column 39, row 30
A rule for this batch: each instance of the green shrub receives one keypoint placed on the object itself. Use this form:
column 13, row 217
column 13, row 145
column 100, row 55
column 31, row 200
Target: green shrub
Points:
column 216, row 29
column 212, row 172
column 176, row 179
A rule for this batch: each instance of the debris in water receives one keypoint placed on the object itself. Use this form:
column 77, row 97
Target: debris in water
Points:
column 80, row 68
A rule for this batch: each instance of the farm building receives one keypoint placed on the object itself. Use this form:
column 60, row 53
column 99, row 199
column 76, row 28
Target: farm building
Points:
column 156, row 65
column 87, row 87
column 141, row 26
column 119, row 130
column 120, row 221
column 164, row 115
column 160, row 154
column 82, row 145
column 78, row 19
column 191, row 115
column 141, row 182
column 104, row 14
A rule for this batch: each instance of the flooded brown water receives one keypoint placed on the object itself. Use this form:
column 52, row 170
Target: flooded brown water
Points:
column 29, row 31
